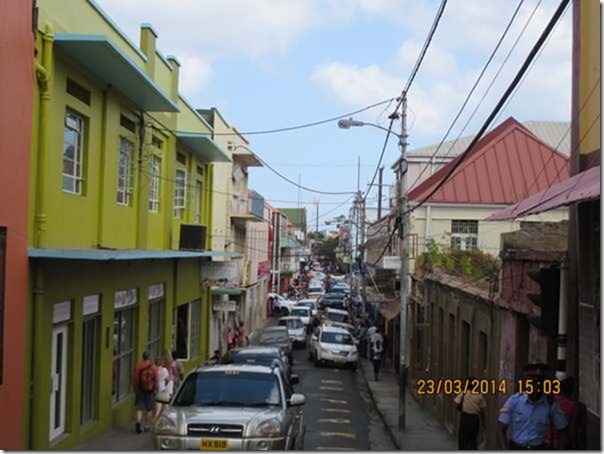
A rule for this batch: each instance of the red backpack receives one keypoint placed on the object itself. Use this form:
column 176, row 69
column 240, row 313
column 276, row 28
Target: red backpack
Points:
column 147, row 379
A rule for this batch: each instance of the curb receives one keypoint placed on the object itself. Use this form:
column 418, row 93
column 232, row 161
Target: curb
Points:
column 393, row 437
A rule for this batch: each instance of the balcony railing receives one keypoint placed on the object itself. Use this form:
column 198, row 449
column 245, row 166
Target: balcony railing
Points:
column 248, row 209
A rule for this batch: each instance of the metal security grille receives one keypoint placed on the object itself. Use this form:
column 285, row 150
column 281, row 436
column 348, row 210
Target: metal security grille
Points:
column 215, row 430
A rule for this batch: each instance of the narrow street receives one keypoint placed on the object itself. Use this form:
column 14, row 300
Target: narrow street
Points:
column 339, row 414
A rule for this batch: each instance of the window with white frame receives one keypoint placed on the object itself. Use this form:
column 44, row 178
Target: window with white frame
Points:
column 187, row 328
column 464, row 235
column 154, row 192
column 124, row 172
column 180, row 192
column 73, row 152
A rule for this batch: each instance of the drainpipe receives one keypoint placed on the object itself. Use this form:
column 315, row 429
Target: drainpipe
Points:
column 44, row 74
column 562, row 320
column 101, row 208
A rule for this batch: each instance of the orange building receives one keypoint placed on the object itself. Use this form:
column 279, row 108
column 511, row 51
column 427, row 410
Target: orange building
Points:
column 16, row 93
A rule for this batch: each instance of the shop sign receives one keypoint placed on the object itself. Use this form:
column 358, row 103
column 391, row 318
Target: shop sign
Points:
column 224, row 306
column 156, row 291
column 91, row 304
column 391, row 262
column 61, row 312
column 125, row 298
column 221, row 274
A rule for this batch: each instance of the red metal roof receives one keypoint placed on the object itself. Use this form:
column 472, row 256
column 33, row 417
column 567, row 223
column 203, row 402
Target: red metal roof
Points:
column 580, row 188
column 507, row 165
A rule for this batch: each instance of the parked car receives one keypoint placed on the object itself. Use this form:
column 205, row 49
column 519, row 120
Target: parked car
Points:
column 311, row 304
column 337, row 315
column 303, row 312
column 314, row 292
column 333, row 345
column 282, row 305
column 277, row 336
column 332, row 300
column 261, row 356
column 232, row 407
column 296, row 329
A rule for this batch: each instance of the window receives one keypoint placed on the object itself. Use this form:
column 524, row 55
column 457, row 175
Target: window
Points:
column 123, row 347
column 73, row 153
column 125, row 122
column 180, row 193
column 188, row 325
column 78, row 92
column 464, row 235
column 197, row 202
column 2, row 285
column 124, row 172
column 154, row 343
column 154, row 193
column 89, row 369
column 483, row 351
column 465, row 349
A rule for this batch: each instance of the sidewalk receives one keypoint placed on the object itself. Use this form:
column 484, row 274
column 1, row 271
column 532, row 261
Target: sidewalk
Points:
column 423, row 431
column 118, row 439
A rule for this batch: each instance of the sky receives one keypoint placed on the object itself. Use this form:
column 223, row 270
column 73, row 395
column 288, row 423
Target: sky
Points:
column 268, row 64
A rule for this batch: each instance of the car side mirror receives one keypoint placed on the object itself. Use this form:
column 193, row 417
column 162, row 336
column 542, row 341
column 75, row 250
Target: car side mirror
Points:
column 297, row 400
column 295, row 379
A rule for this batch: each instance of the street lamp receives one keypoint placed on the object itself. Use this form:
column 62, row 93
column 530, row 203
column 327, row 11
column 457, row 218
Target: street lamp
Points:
column 403, row 235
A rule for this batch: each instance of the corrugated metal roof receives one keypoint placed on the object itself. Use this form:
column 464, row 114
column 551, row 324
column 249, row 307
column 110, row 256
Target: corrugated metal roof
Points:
column 580, row 188
column 554, row 133
column 505, row 166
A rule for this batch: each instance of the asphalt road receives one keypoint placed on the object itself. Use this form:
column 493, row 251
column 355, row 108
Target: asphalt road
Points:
column 338, row 412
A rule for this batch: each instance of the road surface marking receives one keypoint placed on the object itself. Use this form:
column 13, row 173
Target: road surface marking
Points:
column 334, row 401
column 335, row 410
column 333, row 382
column 331, row 388
column 338, row 434
column 334, row 420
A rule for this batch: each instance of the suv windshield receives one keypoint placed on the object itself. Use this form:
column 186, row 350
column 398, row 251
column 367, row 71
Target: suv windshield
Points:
column 273, row 337
column 257, row 359
column 336, row 338
column 335, row 317
column 292, row 323
column 229, row 388
column 300, row 311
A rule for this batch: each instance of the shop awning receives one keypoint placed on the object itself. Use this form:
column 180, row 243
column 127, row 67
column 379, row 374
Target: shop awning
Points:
column 285, row 242
column 390, row 308
column 130, row 254
column 582, row 187
column 226, row 291
column 107, row 62
column 202, row 145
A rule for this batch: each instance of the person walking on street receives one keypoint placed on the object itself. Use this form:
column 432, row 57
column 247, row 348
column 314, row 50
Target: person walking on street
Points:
column 370, row 332
column 376, row 358
column 529, row 413
column 471, row 422
column 175, row 369
column 163, row 378
column 145, row 382
column 241, row 335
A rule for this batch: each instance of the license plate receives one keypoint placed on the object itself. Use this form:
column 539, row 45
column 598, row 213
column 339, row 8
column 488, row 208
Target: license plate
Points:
column 211, row 444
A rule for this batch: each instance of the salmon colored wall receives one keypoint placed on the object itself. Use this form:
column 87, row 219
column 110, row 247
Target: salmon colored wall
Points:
column 16, row 93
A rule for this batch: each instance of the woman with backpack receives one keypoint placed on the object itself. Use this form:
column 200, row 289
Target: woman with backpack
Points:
column 376, row 357
column 145, row 383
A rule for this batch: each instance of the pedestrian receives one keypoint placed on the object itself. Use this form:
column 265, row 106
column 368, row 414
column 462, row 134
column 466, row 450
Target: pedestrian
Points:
column 176, row 369
column 145, row 383
column 528, row 414
column 575, row 415
column 376, row 358
column 241, row 335
column 170, row 365
column 162, row 394
column 377, row 337
column 370, row 332
column 231, row 338
column 472, row 407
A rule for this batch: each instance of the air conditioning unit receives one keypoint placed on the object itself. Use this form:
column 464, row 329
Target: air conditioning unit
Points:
column 192, row 237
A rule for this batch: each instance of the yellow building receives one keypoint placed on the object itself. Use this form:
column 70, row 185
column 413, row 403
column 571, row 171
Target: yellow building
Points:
column 120, row 221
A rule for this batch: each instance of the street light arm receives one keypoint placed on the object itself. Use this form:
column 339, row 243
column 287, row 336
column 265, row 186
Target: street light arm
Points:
column 346, row 124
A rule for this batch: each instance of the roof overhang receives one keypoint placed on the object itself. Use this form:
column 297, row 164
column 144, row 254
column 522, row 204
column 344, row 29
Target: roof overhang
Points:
column 129, row 254
column 107, row 62
column 581, row 187
column 247, row 159
column 203, row 146
column 226, row 291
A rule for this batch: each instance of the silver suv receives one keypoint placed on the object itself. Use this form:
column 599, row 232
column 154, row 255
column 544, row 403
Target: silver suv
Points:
column 232, row 407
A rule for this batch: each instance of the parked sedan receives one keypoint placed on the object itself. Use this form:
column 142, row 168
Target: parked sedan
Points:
column 277, row 336
column 261, row 356
column 232, row 407
column 311, row 304
column 296, row 329
column 303, row 312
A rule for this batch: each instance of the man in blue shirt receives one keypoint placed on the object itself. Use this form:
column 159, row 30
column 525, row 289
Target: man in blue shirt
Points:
column 528, row 416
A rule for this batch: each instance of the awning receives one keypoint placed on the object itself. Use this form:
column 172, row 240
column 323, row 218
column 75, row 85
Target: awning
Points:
column 582, row 187
column 390, row 308
column 205, row 148
column 129, row 254
column 285, row 242
column 226, row 291
column 107, row 62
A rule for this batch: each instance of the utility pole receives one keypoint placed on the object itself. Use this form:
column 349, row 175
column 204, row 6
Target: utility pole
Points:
column 403, row 235
column 316, row 202
column 362, row 264
column 381, row 175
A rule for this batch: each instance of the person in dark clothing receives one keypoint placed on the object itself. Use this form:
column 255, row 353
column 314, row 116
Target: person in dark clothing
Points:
column 376, row 358
column 472, row 408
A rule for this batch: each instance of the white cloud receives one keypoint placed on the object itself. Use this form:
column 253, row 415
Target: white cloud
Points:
column 195, row 73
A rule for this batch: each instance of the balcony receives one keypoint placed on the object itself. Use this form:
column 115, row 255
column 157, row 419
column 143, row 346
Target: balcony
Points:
column 247, row 210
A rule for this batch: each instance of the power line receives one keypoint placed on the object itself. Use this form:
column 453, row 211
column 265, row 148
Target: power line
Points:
column 469, row 95
column 527, row 63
